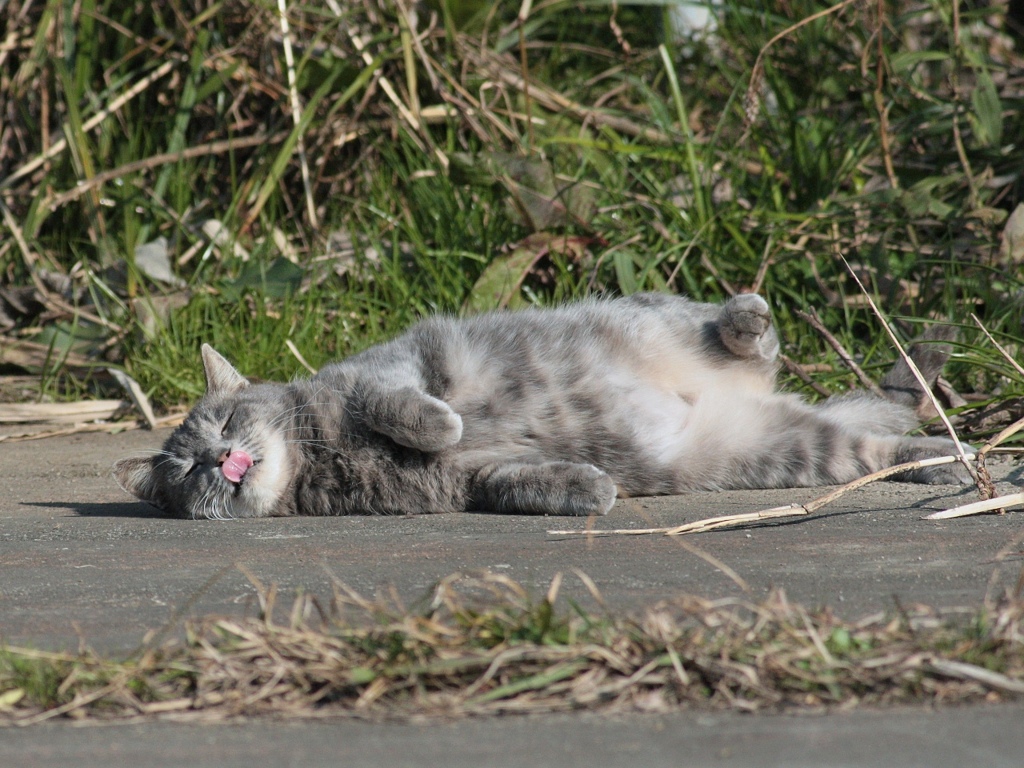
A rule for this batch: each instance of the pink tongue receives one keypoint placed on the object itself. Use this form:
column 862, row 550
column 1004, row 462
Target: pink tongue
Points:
column 236, row 465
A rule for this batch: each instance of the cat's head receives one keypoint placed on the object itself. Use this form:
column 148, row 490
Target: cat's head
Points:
column 230, row 458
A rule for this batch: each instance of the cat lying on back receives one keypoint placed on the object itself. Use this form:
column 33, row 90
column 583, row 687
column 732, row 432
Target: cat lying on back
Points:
column 542, row 411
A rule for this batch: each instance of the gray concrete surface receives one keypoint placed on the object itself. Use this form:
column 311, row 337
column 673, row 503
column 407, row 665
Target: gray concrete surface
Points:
column 82, row 563
column 980, row 737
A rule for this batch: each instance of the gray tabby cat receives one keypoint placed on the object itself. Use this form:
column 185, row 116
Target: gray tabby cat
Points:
column 542, row 411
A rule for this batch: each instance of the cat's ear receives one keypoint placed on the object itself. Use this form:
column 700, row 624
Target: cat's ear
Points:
column 221, row 376
column 135, row 475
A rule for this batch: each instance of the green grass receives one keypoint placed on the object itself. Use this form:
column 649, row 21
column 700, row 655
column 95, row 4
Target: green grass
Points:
column 672, row 166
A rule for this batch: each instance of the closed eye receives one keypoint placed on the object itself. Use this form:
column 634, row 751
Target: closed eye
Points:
column 224, row 429
column 191, row 470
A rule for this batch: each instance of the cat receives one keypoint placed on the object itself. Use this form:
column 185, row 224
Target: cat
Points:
column 537, row 411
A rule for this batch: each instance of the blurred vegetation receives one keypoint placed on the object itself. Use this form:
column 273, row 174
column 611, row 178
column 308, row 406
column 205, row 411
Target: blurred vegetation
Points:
column 215, row 170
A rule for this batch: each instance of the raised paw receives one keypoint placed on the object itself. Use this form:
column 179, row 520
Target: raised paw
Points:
column 436, row 426
column 413, row 419
column 746, row 328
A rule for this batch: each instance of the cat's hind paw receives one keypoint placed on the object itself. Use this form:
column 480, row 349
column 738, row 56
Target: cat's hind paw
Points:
column 917, row 448
column 745, row 328
column 588, row 491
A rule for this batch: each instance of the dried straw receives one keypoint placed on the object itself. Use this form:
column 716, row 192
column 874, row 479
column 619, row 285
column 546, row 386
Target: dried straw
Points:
column 482, row 646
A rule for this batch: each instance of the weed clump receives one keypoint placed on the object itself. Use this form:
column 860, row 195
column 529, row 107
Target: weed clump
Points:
column 481, row 645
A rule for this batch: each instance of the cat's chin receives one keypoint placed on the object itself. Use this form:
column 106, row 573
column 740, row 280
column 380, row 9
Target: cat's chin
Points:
column 260, row 491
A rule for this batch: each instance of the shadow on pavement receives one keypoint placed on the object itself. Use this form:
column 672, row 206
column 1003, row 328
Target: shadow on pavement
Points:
column 109, row 509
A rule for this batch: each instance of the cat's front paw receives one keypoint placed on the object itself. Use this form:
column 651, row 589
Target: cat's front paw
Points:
column 412, row 418
column 436, row 427
column 745, row 327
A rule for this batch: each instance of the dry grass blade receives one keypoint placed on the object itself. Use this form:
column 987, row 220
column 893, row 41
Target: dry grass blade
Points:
column 296, row 107
column 59, row 413
column 138, row 397
column 298, row 356
column 757, row 70
column 485, row 647
column 987, row 677
column 979, row 507
column 997, row 345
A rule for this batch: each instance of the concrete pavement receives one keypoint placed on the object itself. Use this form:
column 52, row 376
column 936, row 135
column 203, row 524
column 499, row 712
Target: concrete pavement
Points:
column 82, row 563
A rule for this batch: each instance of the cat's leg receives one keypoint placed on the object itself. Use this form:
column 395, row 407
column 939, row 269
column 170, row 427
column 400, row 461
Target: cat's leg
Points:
column 793, row 444
column 917, row 448
column 549, row 488
column 930, row 352
column 745, row 328
column 409, row 416
column 905, row 405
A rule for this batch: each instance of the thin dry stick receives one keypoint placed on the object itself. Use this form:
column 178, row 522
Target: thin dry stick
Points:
column 800, row 373
column 879, row 99
column 213, row 148
column 766, row 263
column 963, row 670
column 524, row 14
column 812, row 319
column 61, row 144
column 1000, row 502
column 293, row 94
column 998, row 439
column 997, row 345
column 925, row 387
column 1019, row 423
column 755, row 72
column 556, row 102
column 77, row 703
column 790, row 510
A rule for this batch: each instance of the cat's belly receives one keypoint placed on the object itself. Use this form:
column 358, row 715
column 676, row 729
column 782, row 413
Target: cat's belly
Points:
column 676, row 428
column 660, row 422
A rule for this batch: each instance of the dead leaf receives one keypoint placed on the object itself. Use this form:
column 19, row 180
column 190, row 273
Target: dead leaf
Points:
column 138, row 397
column 537, row 198
column 59, row 413
column 499, row 285
column 153, row 260
column 1011, row 248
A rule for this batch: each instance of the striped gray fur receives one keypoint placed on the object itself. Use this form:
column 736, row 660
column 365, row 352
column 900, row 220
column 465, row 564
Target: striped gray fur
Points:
column 540, row 411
